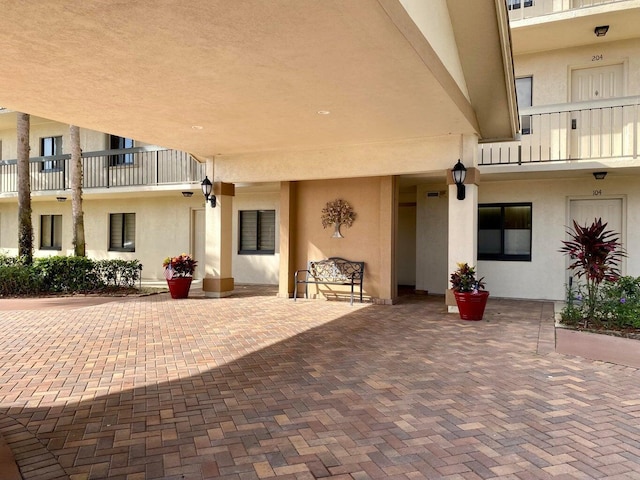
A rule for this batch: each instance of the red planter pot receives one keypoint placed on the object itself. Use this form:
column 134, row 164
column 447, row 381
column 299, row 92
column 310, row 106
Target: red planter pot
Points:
column 179, row 286
column 471, row 305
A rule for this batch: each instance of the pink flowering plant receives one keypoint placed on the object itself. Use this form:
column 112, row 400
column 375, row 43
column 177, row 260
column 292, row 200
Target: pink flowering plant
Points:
column 337, row 212
column 180, row 266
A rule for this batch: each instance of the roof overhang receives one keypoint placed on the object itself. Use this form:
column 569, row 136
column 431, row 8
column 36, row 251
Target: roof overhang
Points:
column 222, row 76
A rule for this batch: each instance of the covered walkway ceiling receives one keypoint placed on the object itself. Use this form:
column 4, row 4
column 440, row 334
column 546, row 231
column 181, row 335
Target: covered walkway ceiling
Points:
column 224, row 76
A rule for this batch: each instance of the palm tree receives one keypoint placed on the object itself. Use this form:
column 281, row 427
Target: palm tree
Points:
column 79, row 246
column 25, row 225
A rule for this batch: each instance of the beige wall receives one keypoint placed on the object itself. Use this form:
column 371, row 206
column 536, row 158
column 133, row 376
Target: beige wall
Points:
column 367, row 240
column 256, row 269
column 374, row 159
column 552, row 70
column 544, row 276
column 89, row 139
column 163, row 226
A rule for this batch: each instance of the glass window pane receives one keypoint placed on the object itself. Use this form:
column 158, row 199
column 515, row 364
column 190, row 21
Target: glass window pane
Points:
column 489, row 242
column 489, row 217
column 249, row 230
column 57, row 231
column 517, row 217
column 517, row 242
column 524, row 91
column 129, row 231
column 115, row 230
column 45, row 231
column 267, row 230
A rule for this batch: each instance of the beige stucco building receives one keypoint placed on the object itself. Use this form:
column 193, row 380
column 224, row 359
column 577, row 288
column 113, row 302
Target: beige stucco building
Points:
column 370, row 101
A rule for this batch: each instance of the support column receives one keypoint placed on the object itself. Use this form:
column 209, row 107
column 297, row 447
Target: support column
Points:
column 287, row 238
column 463, row 218
column 218, row 279
column 388, row 221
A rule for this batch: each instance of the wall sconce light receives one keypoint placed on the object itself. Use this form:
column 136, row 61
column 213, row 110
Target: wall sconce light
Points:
column 207, row 186
column 187, row 194
column 61, row 199
column 601, row 30
column 599, row 175
column 459, row 173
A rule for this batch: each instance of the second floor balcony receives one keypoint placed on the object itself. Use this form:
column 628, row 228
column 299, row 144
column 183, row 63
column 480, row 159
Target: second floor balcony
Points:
column 129, row 167
column 523, row 9
column 605, row 129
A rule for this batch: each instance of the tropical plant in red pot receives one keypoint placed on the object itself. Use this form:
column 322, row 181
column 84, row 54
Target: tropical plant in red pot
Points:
column 471, row 297
column 179, row 273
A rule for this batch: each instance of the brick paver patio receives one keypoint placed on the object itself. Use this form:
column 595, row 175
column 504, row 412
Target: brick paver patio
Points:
column 254, row 387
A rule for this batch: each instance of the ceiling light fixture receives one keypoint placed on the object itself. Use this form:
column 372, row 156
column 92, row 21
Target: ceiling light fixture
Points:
column 601, row 30
column 599, row 175
column 197, row 127
column 323, row 112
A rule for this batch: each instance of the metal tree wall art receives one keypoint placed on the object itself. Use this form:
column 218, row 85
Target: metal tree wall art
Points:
column 337, row 213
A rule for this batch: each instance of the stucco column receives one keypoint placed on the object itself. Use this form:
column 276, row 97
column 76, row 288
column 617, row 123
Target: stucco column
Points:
column 463, row 227
column 218, row 279
column 287, row 238
column 388, row 222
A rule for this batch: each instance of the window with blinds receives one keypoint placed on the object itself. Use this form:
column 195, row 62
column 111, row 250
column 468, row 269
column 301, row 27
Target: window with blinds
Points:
column 122, row 232
column 50, row 232
column 257, row 232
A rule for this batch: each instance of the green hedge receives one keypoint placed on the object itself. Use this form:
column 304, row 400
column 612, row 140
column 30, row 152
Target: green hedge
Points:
column 66, row 275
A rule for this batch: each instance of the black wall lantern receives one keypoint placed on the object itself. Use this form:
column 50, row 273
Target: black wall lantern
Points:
column 459, row 173
column 207, row 186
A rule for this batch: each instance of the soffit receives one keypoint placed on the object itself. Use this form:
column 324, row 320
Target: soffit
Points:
column 252, row 74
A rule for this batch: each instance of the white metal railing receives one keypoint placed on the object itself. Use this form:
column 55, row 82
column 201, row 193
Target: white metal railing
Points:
column 594, row 130
column 522, row 9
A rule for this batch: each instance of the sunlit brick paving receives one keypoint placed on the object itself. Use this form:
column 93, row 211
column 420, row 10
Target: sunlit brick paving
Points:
column 254, row 386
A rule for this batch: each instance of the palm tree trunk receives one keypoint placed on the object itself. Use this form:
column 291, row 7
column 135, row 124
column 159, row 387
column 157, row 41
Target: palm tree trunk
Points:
column 25, row 225
column 79, row 246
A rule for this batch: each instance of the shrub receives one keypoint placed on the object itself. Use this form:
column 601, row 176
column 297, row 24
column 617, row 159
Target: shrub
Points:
column 119, row 273
column 68, row 274
column 595, row 253
column 19, row 280
column 61, row 274
column 617, row 306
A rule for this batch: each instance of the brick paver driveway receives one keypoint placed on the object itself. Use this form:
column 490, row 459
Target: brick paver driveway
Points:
column 254, row 386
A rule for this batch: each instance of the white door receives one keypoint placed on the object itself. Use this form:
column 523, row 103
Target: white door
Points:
column 584, row 212
column 198, row 240
column 594, row 131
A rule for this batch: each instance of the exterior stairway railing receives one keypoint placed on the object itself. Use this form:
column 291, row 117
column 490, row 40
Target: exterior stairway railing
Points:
column 139, row 166
column 603, row 129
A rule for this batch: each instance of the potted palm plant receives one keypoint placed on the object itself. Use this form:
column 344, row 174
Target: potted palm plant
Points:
column 179, row 273
column 471, row 297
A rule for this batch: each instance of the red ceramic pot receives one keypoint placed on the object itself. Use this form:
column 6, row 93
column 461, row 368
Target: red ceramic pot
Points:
column 179, row 286
column 471, row 305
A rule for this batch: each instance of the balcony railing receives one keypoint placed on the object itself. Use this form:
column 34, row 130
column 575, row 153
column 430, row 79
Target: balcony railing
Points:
column 522, row 9
column 603, row 129
column 129, row 167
